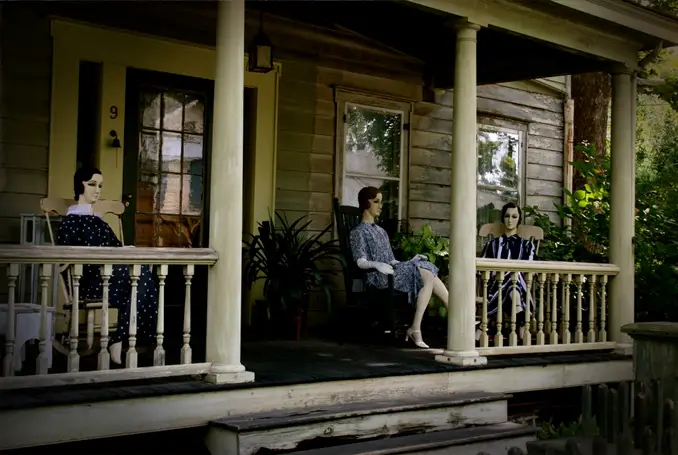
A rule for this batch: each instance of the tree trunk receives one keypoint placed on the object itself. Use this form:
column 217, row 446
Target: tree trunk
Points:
column 591, row 93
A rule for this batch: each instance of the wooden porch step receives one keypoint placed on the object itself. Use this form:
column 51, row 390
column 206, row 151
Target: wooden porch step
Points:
column 316, row 427
column 492, row 439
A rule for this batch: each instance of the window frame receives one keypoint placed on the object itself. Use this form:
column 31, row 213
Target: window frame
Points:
column 344, row 99
column 502, row 125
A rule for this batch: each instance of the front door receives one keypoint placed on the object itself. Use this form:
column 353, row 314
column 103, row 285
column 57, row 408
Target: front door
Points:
column 165, row 164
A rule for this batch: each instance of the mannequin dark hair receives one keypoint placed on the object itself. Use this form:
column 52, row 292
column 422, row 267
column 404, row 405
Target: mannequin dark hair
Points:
column 366, row 195
column 511, row 205
column 82, row 175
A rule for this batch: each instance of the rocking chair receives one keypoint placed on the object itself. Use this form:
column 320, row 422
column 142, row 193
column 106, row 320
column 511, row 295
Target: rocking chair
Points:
column 59, row 207
column 359, row 294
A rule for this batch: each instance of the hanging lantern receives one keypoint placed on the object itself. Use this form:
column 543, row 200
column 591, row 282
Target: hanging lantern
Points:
column 260, row 51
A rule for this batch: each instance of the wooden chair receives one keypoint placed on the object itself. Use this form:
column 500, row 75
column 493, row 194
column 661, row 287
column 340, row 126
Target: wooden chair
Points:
column 59, row 206
column 492, row 230
column 357, row 291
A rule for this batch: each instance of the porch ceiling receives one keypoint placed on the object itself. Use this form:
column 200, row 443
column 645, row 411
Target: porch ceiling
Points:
column 429, row 35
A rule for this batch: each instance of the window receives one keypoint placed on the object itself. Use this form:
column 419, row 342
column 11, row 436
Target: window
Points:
column 374, row 143
column 500, row 171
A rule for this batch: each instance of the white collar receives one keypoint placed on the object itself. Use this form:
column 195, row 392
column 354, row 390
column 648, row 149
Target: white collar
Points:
column 82, row 209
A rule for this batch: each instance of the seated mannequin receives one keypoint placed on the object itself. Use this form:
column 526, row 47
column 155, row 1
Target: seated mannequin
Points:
column 81, row 227
column 509, row 246
column 372, row 251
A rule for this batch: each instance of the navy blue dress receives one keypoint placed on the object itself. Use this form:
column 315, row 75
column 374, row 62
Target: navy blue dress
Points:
column 513, row 247
column 371, row 242
column 91, row 230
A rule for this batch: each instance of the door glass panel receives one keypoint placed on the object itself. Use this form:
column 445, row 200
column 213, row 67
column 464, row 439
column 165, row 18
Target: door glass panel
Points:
column 170, row 184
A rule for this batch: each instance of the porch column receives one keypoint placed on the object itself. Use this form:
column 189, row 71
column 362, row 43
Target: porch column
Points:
column 461, row 345
column 622, row 206
column 226, row 178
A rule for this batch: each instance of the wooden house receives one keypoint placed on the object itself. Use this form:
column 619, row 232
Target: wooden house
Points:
column 162, row 97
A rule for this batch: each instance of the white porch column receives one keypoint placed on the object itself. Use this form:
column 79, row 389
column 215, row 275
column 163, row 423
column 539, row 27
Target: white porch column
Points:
column 622, row 206
column 226, row 177
column 461, row 347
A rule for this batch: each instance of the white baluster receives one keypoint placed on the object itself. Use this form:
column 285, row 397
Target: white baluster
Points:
column 132, row 356
column 73, row 362
column 159, row 353
column 540, row 312
column 566, row 309
column 526, row 330
column 592, row 309
column 10, row 336
column 104, row 359
column 515, row 301
column 186, row 352
column 484, row 339
column 579, row 332
column 554, row 309
column 42, row 362
column 603, row 308
column 549, row 291
column 499, row 337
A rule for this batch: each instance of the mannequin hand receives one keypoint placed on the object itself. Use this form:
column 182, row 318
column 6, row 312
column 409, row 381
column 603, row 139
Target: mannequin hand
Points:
column 383, row 268
column 419, row 257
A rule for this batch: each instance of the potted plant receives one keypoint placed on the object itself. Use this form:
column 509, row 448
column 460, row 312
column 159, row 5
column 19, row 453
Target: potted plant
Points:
column 292, row 263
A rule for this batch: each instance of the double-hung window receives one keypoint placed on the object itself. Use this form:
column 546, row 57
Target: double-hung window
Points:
column 501, row 170
column 372, row 151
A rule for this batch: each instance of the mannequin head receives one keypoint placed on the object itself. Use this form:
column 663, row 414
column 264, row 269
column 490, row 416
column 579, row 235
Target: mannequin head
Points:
column 87, row 183
column 511, row 216
column 369, row 201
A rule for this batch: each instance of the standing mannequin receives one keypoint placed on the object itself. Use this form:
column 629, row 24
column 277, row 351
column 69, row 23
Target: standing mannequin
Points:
column 81, row 227
column 372, row 251
column 509, row 246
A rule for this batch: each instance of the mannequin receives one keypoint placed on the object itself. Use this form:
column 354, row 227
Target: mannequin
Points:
column 509, row 246
column 372, row 251
column 81, row 227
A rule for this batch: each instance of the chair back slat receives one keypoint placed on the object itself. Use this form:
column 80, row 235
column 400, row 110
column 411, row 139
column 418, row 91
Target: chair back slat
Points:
column 347, row 218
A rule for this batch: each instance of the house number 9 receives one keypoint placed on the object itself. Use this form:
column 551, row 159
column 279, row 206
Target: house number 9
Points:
column 114, row 112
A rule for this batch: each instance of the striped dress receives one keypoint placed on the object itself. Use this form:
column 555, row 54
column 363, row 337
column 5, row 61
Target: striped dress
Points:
column 513, row 247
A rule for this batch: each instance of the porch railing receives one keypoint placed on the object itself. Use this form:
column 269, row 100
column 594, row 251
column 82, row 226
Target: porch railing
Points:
column 568, row 311
column 63, row 260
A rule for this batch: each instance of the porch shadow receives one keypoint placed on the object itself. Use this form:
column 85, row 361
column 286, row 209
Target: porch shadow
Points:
column 279, row 363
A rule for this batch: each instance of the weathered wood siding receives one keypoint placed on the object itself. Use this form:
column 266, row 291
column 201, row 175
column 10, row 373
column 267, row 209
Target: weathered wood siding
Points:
column 25, row 80
column 540, row 115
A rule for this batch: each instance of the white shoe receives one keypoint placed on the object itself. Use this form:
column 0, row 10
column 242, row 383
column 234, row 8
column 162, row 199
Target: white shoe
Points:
column 115, row 350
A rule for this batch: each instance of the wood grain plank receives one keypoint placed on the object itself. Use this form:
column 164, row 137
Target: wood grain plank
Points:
column 544, row 188
column 319, row 220
column 430, row 210
column 24, row 132
column 540, row 129
column 430, row 193
column 297, row 89
column 308, row 162
column 552, row 173
column 24, row 156
column 304, row 181
column 25, row 181
column 303, row 201
column 546, row 143
column 321, row 108
column 440, row 227
column 429, row 157
column 308, row 123
column 431, row 124
column 522, row 113
column 374, row 84
column 305, row 142
column 435, row 141
column 545, row 157
column 426, row 109
column 521, row 97
column 430, row 175
column 544, row 203
column 13, row 205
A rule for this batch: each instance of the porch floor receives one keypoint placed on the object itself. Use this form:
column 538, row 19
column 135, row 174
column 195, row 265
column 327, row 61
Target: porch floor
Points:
column 278, row 363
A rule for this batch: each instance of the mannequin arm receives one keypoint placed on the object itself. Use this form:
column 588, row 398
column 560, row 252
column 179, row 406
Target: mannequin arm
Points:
column 382, row 267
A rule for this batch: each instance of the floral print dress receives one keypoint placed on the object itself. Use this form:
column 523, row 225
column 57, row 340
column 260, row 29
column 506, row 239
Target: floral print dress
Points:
column 370, row 242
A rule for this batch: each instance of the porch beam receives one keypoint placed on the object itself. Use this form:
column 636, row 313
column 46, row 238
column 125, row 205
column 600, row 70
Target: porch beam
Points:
column 224, row 296
column 622, row 205
column 461, row 346
column 544, row 26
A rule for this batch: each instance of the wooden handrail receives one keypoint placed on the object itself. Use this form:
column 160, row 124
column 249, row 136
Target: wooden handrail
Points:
column 31, row 254
column 507, row 265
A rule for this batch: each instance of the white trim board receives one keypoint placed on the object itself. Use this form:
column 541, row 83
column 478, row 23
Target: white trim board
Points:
column 57, row 424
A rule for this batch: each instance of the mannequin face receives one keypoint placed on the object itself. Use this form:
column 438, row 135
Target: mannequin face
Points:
column 511, row 218
column 375, row 206
column 92, row 190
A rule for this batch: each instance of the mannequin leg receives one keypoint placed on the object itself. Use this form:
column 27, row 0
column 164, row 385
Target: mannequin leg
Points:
column 423, row 299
